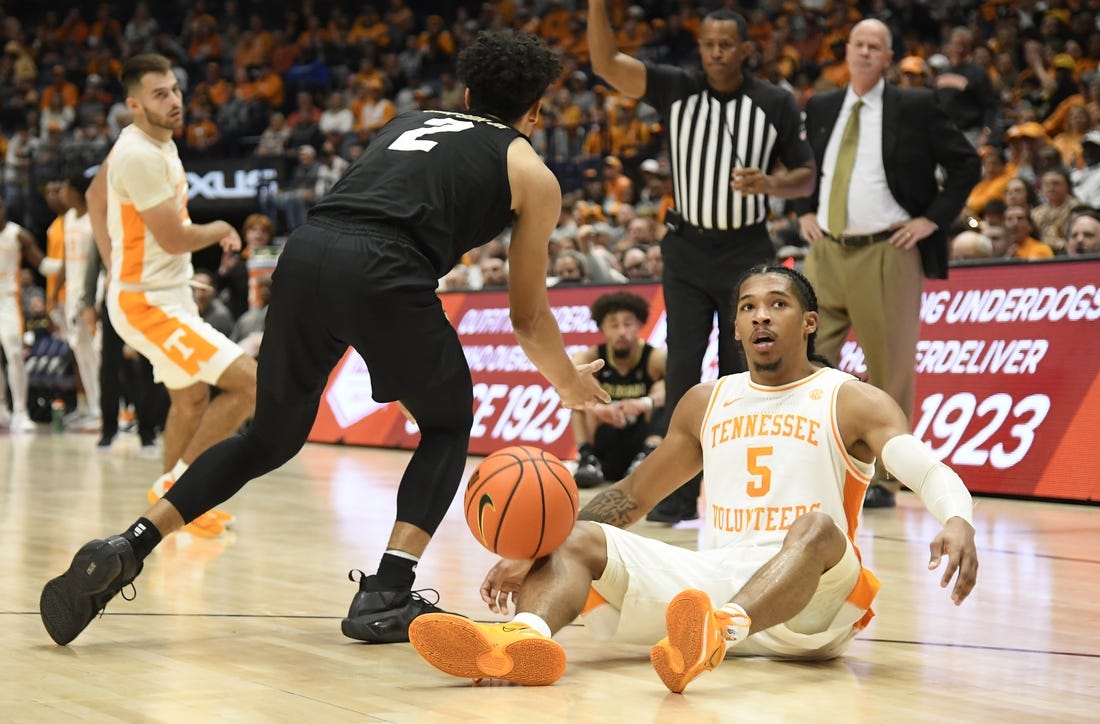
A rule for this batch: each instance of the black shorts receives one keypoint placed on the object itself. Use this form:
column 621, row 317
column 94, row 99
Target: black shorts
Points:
column 367, row 287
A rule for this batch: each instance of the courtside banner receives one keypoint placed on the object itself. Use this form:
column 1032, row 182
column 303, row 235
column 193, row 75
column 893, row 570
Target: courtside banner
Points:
column 513, row 403
column 1008, row 377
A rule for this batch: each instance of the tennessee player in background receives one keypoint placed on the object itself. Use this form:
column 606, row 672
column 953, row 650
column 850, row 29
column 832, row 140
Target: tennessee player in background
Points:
column 787, row 450
column 149, row 238
column 16, row 247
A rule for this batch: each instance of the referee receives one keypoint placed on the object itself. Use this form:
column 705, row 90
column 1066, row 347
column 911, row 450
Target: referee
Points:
column 734, row 140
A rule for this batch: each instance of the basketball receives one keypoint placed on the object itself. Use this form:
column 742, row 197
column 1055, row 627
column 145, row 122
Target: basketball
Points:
column 521, row 502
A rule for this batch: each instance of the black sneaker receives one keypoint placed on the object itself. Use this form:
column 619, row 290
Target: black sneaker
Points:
column 99, row 570
column 672, row 510
column 638, row 459
column 383, row 617
column 589, row 472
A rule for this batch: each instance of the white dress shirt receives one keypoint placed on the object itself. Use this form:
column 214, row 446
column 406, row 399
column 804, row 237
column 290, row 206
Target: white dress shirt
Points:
column 871, row 206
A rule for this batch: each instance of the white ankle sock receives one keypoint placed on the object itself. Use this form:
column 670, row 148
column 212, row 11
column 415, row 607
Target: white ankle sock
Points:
column 739, row 623
column 179, row 469
column 533, row 621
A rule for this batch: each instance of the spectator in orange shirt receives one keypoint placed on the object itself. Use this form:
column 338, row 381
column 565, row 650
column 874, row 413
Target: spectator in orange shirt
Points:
column 617, row 186
column 629, row 135
column 60, row 86
column 1022, row 245
column 106, row 30
column 206, row 44
column 255, row 45
column 437, row 45
column 634, row 32
column 72, row 30
column 269, row 86
column 369, row 30
column 201, row 136
column 1068, row 142
column 995, row 178
column 376, row 112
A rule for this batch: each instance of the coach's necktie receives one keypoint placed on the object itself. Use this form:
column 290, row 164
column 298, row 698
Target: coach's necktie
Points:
column 842, row 174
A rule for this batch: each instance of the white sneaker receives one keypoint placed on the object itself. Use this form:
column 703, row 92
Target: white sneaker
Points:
column 87, row 423
column 20, row 423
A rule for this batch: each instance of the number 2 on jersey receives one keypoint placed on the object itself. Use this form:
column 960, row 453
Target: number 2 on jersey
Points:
column 758, row 488
column 410, row 140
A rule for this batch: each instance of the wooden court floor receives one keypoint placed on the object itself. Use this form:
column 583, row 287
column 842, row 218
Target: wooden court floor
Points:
column 246, row 628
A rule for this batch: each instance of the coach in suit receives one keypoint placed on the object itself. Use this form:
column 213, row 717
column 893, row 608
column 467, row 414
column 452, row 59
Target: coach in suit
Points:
column 878, row 220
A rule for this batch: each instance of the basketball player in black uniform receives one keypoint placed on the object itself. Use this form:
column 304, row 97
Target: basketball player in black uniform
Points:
column 611, row 438
column 362, row 272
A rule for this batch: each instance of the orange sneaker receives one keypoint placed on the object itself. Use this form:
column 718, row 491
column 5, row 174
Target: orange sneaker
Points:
column 511, row 651
column 696, row 640
column 205, row 526
column 165, row 481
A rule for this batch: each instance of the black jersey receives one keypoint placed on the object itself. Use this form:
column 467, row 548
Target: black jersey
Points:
column 440, row 177
column 711, row 134
column 630, row 386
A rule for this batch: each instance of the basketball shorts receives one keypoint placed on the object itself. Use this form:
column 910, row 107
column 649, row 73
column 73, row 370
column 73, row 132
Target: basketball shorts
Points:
column 365, row 286
column 164, row 326
column 644, row 574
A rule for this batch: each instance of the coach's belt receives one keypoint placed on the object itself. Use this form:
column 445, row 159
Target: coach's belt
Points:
column 862, row 239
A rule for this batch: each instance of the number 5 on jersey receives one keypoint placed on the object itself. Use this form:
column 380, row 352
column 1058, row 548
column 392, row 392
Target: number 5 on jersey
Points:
column 759, row 486
column 410, row 140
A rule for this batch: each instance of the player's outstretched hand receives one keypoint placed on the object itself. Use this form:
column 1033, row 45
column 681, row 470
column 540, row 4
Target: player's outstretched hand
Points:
column 503, row 580
column 585, row 391
column 231, row 242
column 956, row 541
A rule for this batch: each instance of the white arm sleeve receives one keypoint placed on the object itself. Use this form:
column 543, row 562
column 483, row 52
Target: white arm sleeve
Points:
column 49, row 266
column 939, row 487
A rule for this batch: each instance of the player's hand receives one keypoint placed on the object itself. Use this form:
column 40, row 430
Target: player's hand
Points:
column 613, row 414
column 503, row 580
column 809, row 229
column 231, row 242
column 585, row 391
column 90, row 317
column 749, row 181
column 956, row 541
column 908, row 234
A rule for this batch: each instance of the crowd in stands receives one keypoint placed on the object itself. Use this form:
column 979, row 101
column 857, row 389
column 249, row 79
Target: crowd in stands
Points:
column 311, row 83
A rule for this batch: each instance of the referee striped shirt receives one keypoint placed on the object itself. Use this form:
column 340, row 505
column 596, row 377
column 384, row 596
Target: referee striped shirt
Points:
column 711, row 134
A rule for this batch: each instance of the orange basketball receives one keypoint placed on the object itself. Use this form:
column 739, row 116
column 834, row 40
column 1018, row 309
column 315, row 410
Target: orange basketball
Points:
column 521, row 502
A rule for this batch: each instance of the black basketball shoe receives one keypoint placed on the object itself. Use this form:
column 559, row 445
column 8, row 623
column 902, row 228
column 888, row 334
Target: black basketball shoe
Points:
column 99, row 570
column 589, row 472
column 383, row 617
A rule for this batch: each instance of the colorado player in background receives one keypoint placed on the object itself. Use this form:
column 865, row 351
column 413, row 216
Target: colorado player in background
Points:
column 787, row 450
column 362, row 271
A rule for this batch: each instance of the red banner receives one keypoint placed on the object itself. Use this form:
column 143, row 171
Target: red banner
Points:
column 1008, row 377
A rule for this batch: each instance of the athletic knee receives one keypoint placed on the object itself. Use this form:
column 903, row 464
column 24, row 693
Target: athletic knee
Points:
column 586, row 545
column 191, row 400
column 815, row 530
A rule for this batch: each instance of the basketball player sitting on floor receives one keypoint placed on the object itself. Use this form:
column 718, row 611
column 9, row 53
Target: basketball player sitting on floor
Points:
column 787, row 450
column 613, row 438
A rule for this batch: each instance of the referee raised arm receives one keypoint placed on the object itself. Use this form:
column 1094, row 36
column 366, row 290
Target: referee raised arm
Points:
column 734, row 140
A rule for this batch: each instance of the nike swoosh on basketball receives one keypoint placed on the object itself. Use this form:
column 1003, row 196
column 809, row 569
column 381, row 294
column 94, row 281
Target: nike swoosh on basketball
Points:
column 485, row 502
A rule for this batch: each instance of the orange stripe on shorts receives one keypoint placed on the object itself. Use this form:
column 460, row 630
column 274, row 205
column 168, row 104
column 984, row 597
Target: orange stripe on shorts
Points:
column 182, row 344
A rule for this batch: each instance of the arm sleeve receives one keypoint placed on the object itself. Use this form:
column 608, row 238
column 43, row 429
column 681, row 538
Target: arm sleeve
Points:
column 140, row 176
column 939, row 487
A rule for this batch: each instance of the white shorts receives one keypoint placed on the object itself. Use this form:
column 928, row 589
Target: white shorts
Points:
column 644, row 574
column 164, row 326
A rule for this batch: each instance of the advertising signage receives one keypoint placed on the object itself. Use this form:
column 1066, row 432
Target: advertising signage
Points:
column 1008, row 377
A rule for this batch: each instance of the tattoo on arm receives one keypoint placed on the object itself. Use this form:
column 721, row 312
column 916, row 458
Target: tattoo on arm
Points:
column 612, row 506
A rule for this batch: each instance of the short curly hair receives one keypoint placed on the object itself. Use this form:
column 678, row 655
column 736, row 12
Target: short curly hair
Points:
column 619, row 302
column 507, row 72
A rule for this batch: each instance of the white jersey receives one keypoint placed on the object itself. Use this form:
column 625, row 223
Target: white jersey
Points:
column 143, row 172
column 771, row 454
column 11, row 257
column 78, row 249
